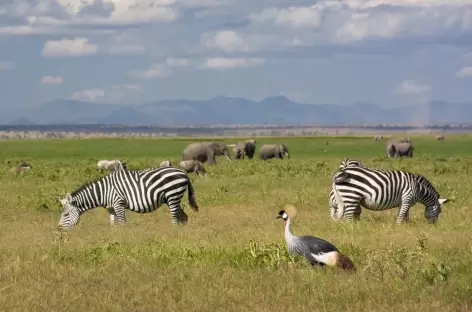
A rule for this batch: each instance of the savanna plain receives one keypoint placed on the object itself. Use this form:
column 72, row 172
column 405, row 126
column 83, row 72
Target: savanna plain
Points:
column 232, row 254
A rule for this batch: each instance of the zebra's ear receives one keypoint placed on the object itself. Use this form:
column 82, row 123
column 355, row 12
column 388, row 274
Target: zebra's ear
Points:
column 69, row 197
column 443, row 200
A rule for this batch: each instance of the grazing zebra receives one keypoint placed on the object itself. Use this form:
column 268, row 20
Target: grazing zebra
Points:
column 333, row 206
column 137, row 190
column 380, row 190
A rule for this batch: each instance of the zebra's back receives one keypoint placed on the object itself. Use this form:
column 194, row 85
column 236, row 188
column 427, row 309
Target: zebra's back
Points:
column 146, row 190
column 375, row 189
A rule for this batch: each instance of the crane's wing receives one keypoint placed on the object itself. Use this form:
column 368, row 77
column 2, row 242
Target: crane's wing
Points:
column 314, row 249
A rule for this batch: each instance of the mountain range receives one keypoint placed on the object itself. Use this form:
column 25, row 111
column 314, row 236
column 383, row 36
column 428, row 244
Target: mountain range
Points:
column 233, row 110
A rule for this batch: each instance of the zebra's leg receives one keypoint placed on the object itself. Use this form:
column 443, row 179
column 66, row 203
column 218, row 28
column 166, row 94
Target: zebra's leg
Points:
column 118, row 214
column 357, row 213
column 111, row 213
column 404, row 212
column 351, row 212
column 178, row 214
column 332, row 211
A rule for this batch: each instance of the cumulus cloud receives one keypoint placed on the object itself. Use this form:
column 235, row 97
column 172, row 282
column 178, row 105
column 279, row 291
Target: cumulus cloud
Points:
column 162, row 69
column 231, row 63
column 69, row 47
column 151, row 73
column 411, row 87
column 464, row 72
column 4, row 66
column 88, row 95
column 226, row 40
column 92, row 12
column 51, row 80
column 110, row 94
column 296, row 17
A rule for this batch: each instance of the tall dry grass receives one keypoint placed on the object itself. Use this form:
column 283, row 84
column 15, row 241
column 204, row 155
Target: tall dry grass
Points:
column 232, row 255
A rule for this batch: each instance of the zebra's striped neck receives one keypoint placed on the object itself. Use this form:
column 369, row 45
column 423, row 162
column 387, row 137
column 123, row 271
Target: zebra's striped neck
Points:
column 426, row 193
column 90, row 195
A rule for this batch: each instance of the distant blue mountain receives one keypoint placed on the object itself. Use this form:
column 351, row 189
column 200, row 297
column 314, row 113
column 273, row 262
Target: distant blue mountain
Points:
column 233, row 110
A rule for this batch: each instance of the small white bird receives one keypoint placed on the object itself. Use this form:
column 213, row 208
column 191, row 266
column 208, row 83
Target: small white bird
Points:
column 316, row 250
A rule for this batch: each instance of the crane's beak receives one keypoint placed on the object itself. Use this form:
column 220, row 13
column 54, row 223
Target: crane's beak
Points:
column 278, row 217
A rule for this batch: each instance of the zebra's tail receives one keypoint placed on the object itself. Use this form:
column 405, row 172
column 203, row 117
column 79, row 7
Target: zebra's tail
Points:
column 191, row 197
column 340, row 176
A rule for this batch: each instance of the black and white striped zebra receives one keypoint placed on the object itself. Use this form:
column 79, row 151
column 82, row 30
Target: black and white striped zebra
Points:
column 381, row 190
column 333, row 206
column 137, row 190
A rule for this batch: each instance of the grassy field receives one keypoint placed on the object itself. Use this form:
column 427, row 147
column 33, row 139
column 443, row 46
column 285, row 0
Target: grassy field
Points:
column 232, row 255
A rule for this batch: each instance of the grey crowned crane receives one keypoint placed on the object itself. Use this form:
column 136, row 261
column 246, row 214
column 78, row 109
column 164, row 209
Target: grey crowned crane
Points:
column 316, row 250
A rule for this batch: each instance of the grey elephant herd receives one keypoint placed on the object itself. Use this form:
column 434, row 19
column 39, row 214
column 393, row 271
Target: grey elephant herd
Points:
column 196, row 154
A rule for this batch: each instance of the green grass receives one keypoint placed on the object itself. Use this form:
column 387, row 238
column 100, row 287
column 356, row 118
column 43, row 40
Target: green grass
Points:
column 232, row 255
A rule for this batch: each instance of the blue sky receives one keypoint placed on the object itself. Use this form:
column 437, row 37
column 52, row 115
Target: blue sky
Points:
column 387, row 52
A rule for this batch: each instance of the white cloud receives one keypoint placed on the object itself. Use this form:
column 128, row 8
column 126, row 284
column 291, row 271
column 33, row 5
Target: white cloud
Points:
column 110, row 94
column 134, row 87
column 161, row 70
column 69, row 47
column 348, row 21
column 411, row 87
column 4, row 66
column 464, row 72
column 51, row 80
column 152, row 73
column 296, row 17
column 226, row 40
column 230, row 63
column 89, row 95
column 90, row 12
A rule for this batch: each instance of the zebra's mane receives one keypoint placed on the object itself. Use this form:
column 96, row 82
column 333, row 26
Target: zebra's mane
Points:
column 421, row 179
column 85, row 185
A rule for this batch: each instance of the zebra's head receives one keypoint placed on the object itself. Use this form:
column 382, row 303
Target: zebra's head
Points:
column 432, row 211
column 350, row 163
column 70, row 214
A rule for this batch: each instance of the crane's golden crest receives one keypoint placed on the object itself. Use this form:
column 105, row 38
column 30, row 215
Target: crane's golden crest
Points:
column 290, row 210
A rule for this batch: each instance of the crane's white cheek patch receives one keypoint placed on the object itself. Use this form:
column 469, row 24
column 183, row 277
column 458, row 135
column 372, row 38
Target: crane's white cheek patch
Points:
column 285, row 216
column 329, row 258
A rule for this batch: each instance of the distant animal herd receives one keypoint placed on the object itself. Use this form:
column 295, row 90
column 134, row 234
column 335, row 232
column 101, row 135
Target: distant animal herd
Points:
column 353, row 186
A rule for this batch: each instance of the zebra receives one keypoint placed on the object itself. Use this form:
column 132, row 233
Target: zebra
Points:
column 137, row 190
column 347, row 162
column 381, row 190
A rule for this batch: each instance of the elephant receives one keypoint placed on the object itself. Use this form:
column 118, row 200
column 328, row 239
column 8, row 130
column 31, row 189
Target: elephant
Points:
column 399, row 149
column 268, row 151
column 199, row 151
column 193, row 165
column 247, row 148
column 220, row 149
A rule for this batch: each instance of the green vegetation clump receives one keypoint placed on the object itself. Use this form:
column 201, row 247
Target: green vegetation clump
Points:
column 232, row 255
